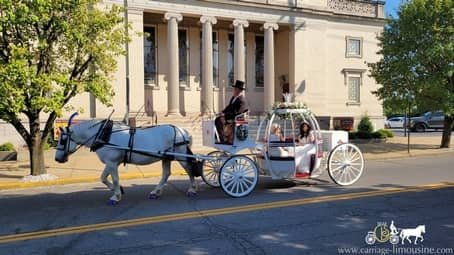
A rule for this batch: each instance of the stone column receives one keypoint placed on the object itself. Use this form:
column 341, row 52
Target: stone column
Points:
column 207, row 64
column 239, row 56
column 173, row 87
column 269, row 64
column 135, row 51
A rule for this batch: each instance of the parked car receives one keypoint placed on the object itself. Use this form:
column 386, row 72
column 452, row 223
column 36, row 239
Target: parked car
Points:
column 428, row 120
column 395, row 122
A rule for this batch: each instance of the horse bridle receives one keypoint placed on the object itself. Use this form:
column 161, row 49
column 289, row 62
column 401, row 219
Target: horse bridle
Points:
column 65, row 142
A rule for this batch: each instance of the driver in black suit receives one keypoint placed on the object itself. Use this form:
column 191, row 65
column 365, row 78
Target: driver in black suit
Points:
column 236, row 106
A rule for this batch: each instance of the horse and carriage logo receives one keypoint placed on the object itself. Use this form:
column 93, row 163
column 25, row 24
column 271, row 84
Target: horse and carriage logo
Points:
column 382, row 233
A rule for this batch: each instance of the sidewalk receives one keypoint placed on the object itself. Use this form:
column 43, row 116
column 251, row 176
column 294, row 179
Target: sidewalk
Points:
column 84, row 166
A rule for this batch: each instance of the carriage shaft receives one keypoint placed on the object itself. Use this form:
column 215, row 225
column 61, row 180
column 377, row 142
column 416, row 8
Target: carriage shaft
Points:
column 161, row 153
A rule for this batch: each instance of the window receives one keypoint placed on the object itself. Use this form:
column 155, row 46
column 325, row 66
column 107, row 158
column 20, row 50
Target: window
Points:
column 230, row 55
column 354, row 47
column 215, row 59
column 183, row 51
column 259, row 61
column 354, row 83
column 149, row 55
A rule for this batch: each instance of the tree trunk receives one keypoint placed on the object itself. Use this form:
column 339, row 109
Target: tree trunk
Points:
column 36, row 148
column 37, row 165
column 447, row 129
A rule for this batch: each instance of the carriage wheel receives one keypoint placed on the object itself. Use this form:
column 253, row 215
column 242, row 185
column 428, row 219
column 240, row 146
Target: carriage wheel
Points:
column 238, row 176
column 211, row 168
column 345, row 164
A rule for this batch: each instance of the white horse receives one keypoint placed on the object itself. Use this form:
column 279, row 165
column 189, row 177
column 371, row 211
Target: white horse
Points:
column 154, row 139
column 416, row 232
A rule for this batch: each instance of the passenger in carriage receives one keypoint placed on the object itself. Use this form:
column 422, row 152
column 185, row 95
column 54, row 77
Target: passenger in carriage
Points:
column 276, row 136
column 226, row 118
column 304, row 150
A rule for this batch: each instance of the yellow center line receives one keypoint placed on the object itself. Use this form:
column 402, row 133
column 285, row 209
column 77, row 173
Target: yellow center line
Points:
column 214, row 212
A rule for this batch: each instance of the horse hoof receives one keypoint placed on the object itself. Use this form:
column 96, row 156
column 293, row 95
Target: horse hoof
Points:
column 122, row 190
column 191, row 194
column 113, row 202
column 153, row 196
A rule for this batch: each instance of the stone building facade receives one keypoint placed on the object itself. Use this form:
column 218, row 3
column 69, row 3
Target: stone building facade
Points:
column 185, row 54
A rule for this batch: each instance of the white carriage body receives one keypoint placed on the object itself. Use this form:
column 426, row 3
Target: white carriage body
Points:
column 332, row 138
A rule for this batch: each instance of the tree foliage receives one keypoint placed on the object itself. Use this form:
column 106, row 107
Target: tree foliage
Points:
column 418, row 59
column 50, row 51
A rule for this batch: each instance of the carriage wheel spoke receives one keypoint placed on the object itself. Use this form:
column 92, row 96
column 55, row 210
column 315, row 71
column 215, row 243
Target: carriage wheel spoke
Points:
column 212, row 176
column 229, row 183
column 344, row 175
column 351, row 174
column 337, row 168
column 246, row 179
column 240, row 185
column 246, row 186
column 228, row 178
column 237, row 186
column 247, row 172
column 356, row 169
column 355, row 155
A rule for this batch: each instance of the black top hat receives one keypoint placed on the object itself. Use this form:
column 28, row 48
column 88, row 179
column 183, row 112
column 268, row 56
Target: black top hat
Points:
column 239, row 84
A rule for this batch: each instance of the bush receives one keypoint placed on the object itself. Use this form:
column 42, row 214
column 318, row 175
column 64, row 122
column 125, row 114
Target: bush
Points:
column 363, row 135
column 352, row 135
column 7, row 147
column 365, row 125
column 379, row 134
column 389, row 133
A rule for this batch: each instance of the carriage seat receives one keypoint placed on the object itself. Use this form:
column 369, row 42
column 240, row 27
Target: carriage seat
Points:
column 241, row 119
column 281, row 151
column 230, row 126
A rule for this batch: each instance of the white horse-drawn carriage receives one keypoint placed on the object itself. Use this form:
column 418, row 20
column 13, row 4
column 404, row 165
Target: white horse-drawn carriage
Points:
column 235, row 171
column 238, row 173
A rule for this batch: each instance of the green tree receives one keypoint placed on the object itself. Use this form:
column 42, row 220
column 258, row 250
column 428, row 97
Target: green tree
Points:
column 50, row 51
column 418, row 59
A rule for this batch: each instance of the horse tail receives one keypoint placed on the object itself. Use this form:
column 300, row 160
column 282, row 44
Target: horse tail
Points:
column 195, row 165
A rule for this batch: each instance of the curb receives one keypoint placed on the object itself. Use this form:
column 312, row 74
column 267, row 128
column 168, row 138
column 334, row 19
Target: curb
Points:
column 411, row 155
column 76, row 180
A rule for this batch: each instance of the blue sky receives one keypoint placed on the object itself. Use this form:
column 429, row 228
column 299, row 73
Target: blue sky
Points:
column 391, row 7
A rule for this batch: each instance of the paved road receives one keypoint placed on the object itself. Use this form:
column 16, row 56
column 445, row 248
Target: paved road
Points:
column 280, row 217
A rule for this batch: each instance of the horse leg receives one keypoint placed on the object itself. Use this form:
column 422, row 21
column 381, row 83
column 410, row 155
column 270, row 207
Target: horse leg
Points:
column 416, row 238
column 192, row 190
column 157, row 192
column 408, row 238
column 116, row 197
column 104, row 176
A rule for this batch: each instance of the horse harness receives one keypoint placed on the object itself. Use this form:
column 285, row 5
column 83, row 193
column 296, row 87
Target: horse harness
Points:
column 104, row 133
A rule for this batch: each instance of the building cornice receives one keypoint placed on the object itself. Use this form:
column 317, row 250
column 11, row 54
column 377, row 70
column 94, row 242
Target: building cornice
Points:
column 241, row 10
